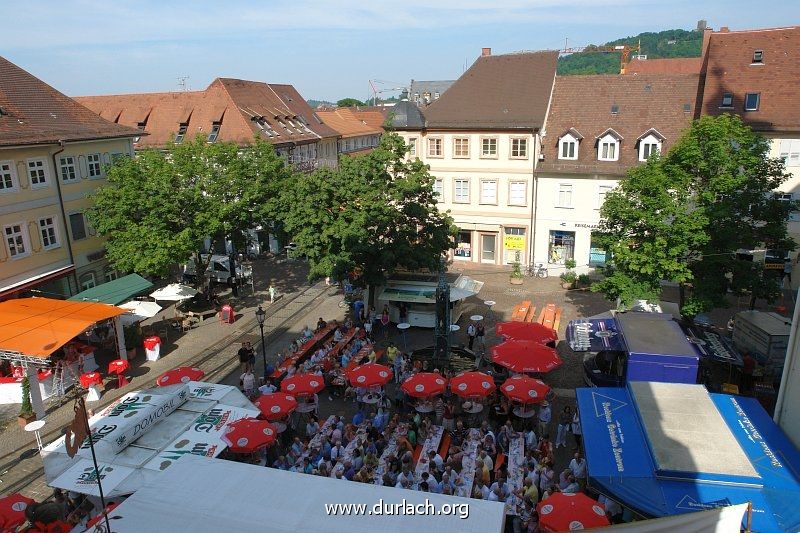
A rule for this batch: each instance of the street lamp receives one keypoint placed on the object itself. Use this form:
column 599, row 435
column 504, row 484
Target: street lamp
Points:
column 260, row 316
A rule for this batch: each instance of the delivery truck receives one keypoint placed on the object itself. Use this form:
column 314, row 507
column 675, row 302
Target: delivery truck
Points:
column 765, row 336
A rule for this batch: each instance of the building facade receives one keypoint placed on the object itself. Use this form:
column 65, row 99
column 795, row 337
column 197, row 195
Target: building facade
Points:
column 53, row 155
column 358, row 132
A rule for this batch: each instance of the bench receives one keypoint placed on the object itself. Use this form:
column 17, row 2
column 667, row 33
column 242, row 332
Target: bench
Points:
column 521, row 311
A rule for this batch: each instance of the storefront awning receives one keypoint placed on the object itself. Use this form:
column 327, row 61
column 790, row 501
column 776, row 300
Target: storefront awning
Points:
column 37, row 327
column 115, row 292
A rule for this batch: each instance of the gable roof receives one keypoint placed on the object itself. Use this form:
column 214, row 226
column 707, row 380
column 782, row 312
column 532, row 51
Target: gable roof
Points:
column 510, row 91
column 644, row 102
column 237, row 105
column 35, row 113
column 675, row 65
column 729, row 68
column 348, row 122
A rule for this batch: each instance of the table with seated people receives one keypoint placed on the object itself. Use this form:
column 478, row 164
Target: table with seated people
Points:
column 305, row 350
column 470, row 450
column 515, row 461
column 430, row 444
column 389, row 451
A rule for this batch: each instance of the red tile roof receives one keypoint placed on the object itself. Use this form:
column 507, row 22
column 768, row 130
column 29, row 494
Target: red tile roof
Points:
column 678, row 65
column 348, row 122
column 509, row 91
column 643, row 102
column 33, row 112
column 729, row 68
column 239, row 107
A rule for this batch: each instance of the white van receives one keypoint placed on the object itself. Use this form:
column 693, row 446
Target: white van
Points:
column 219, row 270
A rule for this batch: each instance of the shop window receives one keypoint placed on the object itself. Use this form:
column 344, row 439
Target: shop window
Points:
column 463, row 249
column 513, row 245
column 562, row 247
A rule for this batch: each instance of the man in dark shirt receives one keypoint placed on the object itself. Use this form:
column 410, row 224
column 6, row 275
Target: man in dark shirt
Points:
column 247, row 356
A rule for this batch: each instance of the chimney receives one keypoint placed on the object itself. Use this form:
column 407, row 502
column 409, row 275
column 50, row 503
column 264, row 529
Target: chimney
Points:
column 485, row 52
column 724, row 29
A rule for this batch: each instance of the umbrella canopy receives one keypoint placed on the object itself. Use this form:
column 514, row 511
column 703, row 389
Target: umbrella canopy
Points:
column 247, row 435
column 527, row 331
column 472, row 385
column 424, row 385
column 174, row 292
column 567, row 512
column 96, row 520
column 276, row 405
column 182, row 374
column 138, row 311
column 303, row 384
column 525, row 390
column 370, row 375
column 117, row 366
column 12, row 510
column 525, row 356
column 90, row 378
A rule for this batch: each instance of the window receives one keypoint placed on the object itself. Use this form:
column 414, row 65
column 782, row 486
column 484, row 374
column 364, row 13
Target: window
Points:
column 78, row 226
column 37, row 172
column 8, row 176
column 94, row 165
column 648, row 145
column 568, row 147
column 212, row 137
column 116, row 157
column 597, row 255
column 438, row 189
column 182, row 128
column 463, row 249
column 561, row 247
column 412, row 146
column 47, row 228
column 16, row 240
column 727, row 100
column 435, row 147
column 87, row 281
column 564, row 197
column 602, row 190
column 517, row 193
column 489, row 192
column 488, row 247
column 513, row 245
column 519, row 148
column 758, row 56
column 789, row 152
column 110, row 275
column 615, row 109
column 461, row 147
column 751, row 101
column 607, row 148
column 68, row 173
column 461, row 191
column 489, row 147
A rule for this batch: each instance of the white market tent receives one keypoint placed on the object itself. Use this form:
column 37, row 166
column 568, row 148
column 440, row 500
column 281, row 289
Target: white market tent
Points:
column 213, row 495
column 145, row 432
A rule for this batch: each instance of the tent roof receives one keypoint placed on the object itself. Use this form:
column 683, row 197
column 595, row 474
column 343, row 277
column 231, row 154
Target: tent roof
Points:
column 37, row 327
column 181, row 499
column 116, row 291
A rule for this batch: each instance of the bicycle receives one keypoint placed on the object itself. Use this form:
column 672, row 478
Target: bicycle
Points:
column 537, row 271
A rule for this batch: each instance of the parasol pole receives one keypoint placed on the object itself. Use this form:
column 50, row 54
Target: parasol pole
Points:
column 80, row 407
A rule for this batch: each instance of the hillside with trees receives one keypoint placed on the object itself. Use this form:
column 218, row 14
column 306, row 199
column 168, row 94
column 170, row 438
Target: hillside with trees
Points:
column 663, row 44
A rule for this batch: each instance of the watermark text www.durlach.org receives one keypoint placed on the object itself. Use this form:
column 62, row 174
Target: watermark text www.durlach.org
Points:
column 403, row 508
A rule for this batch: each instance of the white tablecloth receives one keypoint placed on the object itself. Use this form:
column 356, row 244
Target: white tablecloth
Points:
column 467, row 477
column 431, row 443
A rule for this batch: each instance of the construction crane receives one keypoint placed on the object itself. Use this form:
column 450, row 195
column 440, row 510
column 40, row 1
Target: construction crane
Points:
column 623, row 49
column 376, row 91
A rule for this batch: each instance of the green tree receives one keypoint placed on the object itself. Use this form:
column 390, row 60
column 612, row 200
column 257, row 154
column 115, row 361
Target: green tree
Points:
column 372, row 215
column 349, row 102
column 683, row 217
column 158, row 208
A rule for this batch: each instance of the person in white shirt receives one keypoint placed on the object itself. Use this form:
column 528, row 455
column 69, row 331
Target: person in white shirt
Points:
column 572, row 487
column 578, row 467
column 436, row 459
column 267, row 388
column 487, row 460
column 337, row 451
column 544, row 417
column 248, row 380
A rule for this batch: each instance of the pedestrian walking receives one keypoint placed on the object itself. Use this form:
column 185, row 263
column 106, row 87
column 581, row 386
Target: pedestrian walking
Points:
column 564, row 424
column 272, row 293
column 480, row 333
column 385, row 321
column 577, row 432
column 471, row 331
column 248, row 381
column 544, row 417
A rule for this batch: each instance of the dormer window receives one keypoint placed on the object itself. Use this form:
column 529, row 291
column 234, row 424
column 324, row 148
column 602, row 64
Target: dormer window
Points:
column 758, row 56
column 568, row 144
column 212, row 137
column 649, row 144
column 182, row 128
column 727, row 100
column 608, row 145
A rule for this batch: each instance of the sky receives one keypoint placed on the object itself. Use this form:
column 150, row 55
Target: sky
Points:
column 327, row 49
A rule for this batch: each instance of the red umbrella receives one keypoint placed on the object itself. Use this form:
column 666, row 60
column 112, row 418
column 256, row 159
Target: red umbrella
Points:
column 96, row 520
column 527, row 331
column 182, row 374
column 370, row 375
column 567, row 512
column 424, row 385
column 525, row 390
column 276, row 405
column 525, row 356
column 12, row 510
column 247, row 435
column 472, row 385
column 303, row 384
column 117, row 366
column 90, row 378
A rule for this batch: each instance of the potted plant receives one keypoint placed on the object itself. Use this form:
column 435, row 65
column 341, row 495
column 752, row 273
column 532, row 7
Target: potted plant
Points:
column 516, row 274
column 133, row 338
column 584, row 281
column 26, row 414
column 569, row 277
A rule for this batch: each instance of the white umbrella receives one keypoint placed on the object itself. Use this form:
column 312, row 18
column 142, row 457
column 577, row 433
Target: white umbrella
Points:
column 174, row 292
column 139, row 310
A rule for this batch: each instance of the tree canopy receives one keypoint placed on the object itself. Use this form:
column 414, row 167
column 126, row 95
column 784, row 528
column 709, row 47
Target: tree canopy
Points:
column 157, row 209
column 375, row 213
column 683, row 217
column 349, row 102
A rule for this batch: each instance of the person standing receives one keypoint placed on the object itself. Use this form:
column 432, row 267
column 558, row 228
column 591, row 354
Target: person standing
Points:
column 564, row 423
column 471, row 331
column 480, row 333
column 385, row 321
column 272, row 293
column 248, row 380
column 577, row 432
column 247, row 356
column 579, row 470
column 544, row 417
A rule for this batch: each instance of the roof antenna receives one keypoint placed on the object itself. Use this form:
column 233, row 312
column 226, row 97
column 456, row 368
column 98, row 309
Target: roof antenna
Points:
column 182, row 83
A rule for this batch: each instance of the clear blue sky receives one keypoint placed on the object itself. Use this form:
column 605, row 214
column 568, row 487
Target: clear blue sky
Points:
column 327, row 49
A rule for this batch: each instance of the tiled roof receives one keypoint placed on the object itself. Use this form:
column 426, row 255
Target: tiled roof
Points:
column 406, row 116
column 348, row 122
column 509, row 91
column 244, row 109
column 677, row 65
column 32, row 112
column 662, row 102
column 730, row 68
